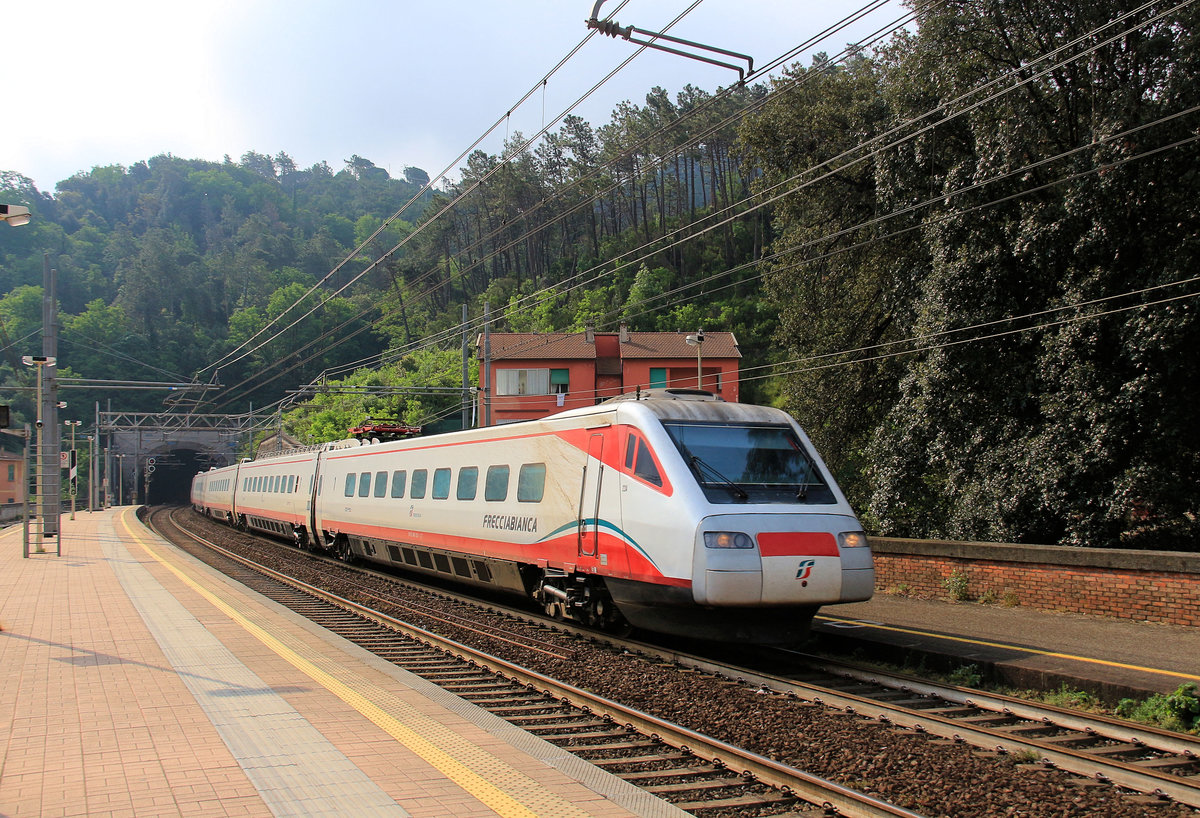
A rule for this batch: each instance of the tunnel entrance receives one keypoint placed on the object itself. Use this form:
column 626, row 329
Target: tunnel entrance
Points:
column 170, row 482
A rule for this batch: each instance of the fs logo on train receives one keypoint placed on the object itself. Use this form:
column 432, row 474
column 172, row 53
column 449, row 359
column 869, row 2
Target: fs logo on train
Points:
column 805, row 569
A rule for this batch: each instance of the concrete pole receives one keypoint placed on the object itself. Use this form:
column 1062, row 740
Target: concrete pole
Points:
column 49, row 435
column 485, row 374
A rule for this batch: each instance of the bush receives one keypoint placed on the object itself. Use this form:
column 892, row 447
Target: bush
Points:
column 957, row 586
column 1179, row 710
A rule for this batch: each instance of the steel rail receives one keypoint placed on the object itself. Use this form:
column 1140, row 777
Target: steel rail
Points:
column 1079, row 762
column 1153, row 782
column 814, row 789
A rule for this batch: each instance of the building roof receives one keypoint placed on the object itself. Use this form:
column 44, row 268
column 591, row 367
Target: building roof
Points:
column 554, row 345
column 674, row 345
column 575, row 346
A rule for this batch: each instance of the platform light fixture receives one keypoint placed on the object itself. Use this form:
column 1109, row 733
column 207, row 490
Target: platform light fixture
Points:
column 696, row 339
column 15, row 215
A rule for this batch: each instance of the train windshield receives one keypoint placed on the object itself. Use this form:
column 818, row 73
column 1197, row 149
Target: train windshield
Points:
column 750, row 463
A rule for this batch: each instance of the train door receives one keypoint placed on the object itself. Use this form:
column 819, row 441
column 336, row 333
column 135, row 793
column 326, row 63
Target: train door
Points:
column 313, row 512
column 589, row 498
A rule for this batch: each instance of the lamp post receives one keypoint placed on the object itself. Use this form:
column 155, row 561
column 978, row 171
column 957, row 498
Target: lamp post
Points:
column 120, row 479
column 696, row 339
column 73, row 475
column 91, row 439
column 15, row 215
column 40, row 361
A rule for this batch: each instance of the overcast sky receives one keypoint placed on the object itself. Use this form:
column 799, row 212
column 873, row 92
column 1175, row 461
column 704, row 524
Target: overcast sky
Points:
column 399, row 83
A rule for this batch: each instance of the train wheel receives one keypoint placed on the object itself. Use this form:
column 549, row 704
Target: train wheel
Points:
column 341, row 549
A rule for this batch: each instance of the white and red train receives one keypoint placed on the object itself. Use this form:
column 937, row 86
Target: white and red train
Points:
column 669, row 510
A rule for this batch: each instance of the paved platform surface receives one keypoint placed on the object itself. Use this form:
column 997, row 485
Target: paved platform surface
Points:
column 1113, row 658
column 135, row 681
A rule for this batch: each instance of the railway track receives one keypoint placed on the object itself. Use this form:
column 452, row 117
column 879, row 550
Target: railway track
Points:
column 1161, row 767
column 696, row 773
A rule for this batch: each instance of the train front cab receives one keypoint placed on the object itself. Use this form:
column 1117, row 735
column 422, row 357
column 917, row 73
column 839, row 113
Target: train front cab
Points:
column 770, row 535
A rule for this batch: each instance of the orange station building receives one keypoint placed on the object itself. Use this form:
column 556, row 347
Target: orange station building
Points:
column 532, row 375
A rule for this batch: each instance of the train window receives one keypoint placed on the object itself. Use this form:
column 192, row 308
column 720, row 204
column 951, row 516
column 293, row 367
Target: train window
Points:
column 398, row 483
column 293, row 484
column 381, row 482
column 760, row 463
column 351, row 481
column 531, row 482
column 275, row 484
column 441, row 484
column 496, row 487
column 646, row 468
column 630, row 451
column 364, row 484
column 420, row 478
column 468, row 481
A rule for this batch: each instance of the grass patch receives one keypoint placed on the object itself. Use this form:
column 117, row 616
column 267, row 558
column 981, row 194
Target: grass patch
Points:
column 1179, row 711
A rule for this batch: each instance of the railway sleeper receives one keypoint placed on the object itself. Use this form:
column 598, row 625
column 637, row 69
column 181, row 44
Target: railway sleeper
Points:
column 650, row 758
column 738, row 801
column 673, row 772
column 1170, row 763
column 624, row 746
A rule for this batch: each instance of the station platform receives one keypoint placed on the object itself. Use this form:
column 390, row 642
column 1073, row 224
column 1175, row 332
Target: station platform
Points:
column 1021, row 647
column 136, row 681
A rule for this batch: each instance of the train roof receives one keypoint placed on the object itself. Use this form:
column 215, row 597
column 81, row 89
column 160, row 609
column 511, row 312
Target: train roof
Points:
column 697, row 405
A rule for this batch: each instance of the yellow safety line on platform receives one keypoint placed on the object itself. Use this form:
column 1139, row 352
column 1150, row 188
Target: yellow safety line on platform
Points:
column 480, row 788
column 985, row 643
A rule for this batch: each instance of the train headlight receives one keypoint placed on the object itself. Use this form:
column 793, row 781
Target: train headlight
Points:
column 852, row 539
column 727, row 539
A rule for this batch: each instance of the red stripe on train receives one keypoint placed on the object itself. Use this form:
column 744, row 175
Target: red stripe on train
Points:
column 797, row 544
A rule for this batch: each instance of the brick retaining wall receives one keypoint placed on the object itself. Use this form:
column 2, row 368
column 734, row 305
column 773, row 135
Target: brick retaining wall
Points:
column 1154, row 586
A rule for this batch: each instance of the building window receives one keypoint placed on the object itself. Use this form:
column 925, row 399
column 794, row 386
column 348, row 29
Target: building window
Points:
column 12, row 472
column 523, row 381
column 560, row 380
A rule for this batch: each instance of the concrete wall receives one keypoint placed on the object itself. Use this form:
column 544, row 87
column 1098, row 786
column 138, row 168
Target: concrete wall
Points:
column 1154, row 586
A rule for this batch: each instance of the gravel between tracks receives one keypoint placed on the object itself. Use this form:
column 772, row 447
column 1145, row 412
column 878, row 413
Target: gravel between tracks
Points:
column 916, row 771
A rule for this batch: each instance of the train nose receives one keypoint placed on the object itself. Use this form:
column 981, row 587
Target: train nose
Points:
column 763, row 560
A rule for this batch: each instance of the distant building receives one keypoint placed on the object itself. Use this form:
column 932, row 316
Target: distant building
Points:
column 12, row 478
column 533, row 375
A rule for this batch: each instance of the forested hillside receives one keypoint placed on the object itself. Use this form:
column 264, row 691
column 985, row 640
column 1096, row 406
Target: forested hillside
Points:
column 965, row 260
